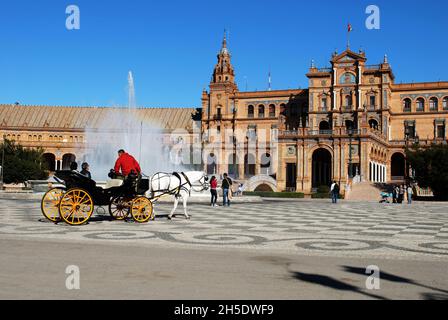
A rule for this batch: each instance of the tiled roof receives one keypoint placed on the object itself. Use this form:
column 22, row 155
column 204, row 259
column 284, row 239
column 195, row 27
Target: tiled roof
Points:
column 18, row 116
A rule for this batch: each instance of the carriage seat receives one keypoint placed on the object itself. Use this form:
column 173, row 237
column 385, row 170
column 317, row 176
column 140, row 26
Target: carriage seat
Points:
column 113, row 183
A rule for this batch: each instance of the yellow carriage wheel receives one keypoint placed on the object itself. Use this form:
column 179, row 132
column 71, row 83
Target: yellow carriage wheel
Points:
column 50, row 204
column 142, row 210
column 119, row 208
column 76, row 207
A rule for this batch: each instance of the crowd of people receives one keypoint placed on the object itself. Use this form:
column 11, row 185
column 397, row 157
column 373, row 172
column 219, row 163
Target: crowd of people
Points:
column 399, row 192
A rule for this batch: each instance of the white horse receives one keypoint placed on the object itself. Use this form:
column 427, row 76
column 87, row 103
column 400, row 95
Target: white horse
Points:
column 179, row 185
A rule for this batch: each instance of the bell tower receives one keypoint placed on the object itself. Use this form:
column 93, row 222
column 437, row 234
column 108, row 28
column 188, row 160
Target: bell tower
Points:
column 223, row 78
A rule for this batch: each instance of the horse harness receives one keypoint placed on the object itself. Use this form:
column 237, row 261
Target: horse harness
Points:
column 176, row 191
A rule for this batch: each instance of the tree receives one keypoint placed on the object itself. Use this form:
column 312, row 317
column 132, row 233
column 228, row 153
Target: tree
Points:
column 22, row 164
column 430, row 166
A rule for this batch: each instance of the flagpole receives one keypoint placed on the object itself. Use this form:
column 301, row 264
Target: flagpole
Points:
column 348, row 37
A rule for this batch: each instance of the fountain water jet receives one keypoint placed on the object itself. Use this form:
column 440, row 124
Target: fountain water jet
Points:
column 124, row 128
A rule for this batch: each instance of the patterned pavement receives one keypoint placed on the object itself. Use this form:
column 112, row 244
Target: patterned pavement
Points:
column 419, row 231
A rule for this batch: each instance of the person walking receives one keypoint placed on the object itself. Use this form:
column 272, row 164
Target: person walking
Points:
column 213, row 191
column 397, row 194
column 334, row 191
column 394, row 195
column 226, row 185
column 401, row 194
column 410, row 192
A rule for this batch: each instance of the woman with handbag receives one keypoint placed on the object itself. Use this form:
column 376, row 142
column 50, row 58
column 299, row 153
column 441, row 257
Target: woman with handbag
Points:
column 213, row 191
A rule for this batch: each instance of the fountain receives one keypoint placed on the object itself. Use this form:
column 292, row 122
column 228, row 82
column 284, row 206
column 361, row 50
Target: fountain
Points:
column 123, row 128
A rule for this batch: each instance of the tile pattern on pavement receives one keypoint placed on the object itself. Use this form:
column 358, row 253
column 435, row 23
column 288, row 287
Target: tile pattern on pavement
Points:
column 349, row 228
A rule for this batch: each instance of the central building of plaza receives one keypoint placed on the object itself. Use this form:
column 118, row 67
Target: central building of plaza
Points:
column 352, row 124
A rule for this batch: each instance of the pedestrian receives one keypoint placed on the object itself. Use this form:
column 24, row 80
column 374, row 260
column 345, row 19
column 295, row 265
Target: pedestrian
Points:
column 240, row 190
column 397, row 194
column 85, row 170
column 213, row 191
column 394, row 195
column 410, row 192
column 226, row 190
column 334, row 191
column 401, row 194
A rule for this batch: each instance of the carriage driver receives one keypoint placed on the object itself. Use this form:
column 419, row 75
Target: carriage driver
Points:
column 126, row 163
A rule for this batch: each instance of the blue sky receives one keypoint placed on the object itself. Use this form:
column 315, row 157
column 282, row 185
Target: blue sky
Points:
column 171, row 46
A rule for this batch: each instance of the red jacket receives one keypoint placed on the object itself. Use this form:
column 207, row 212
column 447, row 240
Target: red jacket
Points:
column 214, row 184
column 126, row 163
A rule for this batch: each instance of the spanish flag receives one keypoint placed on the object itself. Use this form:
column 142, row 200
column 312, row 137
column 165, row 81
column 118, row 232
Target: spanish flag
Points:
column 350, row 29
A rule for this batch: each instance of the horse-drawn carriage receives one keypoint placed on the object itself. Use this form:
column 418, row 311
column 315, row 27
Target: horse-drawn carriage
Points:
column 75, row 201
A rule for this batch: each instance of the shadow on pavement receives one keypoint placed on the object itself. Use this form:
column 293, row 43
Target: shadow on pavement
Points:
column 332, row 283
column 394, row 278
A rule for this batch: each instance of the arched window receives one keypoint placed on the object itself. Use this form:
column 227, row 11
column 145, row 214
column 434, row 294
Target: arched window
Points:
column 324, row 126
column 420, row 104
column 249, row 165
column 324, row 103
column 272, row 111
column 250, row 111
column 372, row 102
column 433, row 104
column 348, row 78
column 212, row 164
column 373, row 124
column 407, row 103
column 265, row 163
column 261, row 111
column 349, row 125
column 445, row 103
column 348, row 101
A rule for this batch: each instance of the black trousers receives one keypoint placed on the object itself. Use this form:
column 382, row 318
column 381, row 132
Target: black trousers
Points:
column 214, row 196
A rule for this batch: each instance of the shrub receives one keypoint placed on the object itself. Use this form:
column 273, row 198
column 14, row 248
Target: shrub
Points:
column 22, row 164
column 323, row 189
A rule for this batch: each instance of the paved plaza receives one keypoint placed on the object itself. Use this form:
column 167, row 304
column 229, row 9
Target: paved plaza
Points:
column 301, row 235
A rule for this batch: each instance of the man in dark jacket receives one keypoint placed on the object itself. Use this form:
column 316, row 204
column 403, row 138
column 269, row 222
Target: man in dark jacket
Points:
column 126, row 163
column 226, row 185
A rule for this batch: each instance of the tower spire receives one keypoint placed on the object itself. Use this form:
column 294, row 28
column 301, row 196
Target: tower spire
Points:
column 224, row 73
column 224, row 40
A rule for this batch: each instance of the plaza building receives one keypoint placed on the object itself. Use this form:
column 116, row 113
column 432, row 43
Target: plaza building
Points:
column 352, row 124
column 64, row 132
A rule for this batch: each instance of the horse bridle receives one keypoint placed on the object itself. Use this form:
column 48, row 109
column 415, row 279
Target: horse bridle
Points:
column 203, row 183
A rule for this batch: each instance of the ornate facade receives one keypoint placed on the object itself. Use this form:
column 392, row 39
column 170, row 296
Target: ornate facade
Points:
column 352, row 123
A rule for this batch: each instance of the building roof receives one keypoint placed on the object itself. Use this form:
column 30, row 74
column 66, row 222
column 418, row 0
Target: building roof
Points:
column 420, row 86
column 270, row 94
column 80, row 118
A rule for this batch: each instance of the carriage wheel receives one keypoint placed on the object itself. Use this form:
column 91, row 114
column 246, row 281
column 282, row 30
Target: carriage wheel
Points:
column 76, row 207
column 119, row 208
column 141, row 209
column 50, row 204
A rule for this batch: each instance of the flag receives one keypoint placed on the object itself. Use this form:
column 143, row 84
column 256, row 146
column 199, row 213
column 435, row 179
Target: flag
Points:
column 350, row 29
